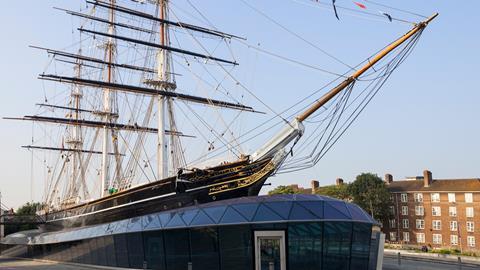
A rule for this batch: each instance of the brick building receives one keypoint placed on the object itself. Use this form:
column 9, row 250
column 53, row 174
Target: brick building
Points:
column 440, row 213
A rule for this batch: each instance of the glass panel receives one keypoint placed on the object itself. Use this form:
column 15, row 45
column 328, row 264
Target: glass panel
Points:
column 269, row 253
column 176, row 221
column 201, row 219
column 135, row 250
column 362, row 233
column 357, row 213
column 154, row 251
column 305, row 246
column 110, row 251
column 134, row 225
column 188, row 216
column 177, row 249
column 336, row 245
column 151, row 222
column 215, row 213
column 165, row 218
column 300, row 213
column 313, row 206
column 121, row 252
column 204, row 248
column 235, row 247
column 280, row 208
column 265, row 214
column 331, row 211
column 247, row 210
column 232, row 216
column 102, row 257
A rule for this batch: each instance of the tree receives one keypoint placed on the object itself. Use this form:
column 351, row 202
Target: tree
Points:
column 28, row 209
column 335, row 191
column 284, row 190
column 369, row 192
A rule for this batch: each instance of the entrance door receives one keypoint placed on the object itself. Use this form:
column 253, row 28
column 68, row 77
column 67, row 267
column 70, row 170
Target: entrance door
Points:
column 270, row 250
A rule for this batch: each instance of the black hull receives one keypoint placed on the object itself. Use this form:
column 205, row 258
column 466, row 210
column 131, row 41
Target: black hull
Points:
column 219, row 183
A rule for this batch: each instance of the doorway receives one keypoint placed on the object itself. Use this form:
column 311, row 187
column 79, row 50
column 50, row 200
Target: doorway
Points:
column 270, row 250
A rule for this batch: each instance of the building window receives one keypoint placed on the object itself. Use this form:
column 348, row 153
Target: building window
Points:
column 436, row 211
column 405, row 210
column 468, row 197
column 437, row 239
column 471, row 241
column 435, row 197
column 453, row 226
column 452, row 211
column 420, row 238
column 405, row 223
column 392, row 210
column 406, row 237
column 420, row 224
column 453, row 240
column 451, row 197
column 437, row 225
column 393, row 236
column 419, row 210
column 469, row 211
column 418, row 197
column 404, row 197
column 392, row 223
column 470, row 226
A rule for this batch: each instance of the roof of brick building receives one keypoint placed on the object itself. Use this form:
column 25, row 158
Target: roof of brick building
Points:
column 472, row 184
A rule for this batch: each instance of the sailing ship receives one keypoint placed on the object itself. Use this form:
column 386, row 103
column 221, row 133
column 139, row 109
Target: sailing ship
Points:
column 93, row 111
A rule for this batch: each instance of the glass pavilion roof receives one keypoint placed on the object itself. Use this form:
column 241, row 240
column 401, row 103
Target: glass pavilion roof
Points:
column 245, row 210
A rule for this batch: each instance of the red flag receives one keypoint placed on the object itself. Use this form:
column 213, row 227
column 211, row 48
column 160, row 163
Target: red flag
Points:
column 360, row 5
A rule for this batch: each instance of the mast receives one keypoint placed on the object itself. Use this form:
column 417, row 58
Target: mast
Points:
column 294, row 130
column 109, row 51
column 162, row 76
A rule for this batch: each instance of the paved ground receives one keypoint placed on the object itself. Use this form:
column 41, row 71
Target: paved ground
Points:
column 391, row 263
column 17, row 264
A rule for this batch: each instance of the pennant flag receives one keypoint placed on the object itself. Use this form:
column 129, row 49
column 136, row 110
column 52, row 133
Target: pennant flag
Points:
column 360, row 5
column 335, row 9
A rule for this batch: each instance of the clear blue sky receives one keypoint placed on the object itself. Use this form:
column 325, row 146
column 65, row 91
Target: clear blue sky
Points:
column 427, row 116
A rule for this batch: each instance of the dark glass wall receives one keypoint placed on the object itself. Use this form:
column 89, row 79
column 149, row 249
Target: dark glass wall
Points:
column 305, row 246
column 309, row 246
column 336, row 245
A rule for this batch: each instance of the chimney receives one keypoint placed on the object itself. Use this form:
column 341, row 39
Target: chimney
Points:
column 339, row 181
column 314, row 184
column 388, row 178
column 427, row 178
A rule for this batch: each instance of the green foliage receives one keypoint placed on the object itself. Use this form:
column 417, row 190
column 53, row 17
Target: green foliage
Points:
column 369, row 192
column 284, row 190
column 27, row 209
column 335, row 191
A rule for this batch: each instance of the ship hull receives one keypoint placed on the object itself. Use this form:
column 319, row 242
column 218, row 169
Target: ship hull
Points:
column 218, row 183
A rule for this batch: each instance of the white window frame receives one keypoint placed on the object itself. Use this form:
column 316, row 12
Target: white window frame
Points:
column 435, row 223
column 392, row 209
column 393, row 236
column 437, row 239
column 451, row 197
column 267, row 235
column 436, row 211
column 453, row 226
column 406, row 223
column 469, row 212
column 452, row 213
column 420, row 238
column 454, row 240
column 418, row 197
column 406, row 237
column 404, row 210
column 470, row 226
column 404, row 197
column 420, row 224
column 392, row 223
column 419, row 210
column 471, row 241
column 469, row 197
column 435, row 197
